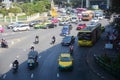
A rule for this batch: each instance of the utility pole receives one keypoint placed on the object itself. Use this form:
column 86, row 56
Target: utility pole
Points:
column 87, row 3
column 81, row 3
column 108, row 4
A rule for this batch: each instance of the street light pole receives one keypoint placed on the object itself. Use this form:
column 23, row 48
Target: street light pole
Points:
column 87, row 3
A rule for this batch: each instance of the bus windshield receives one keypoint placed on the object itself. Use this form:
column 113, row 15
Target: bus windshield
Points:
column 85, row 15
column 84, row 36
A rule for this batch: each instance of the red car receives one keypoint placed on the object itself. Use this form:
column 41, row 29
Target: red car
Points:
column 54, row 20
column 1, row 29
column 81, row 26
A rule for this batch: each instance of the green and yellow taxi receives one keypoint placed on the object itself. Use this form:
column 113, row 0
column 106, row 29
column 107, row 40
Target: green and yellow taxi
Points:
column 65, row 61
column 42, row 25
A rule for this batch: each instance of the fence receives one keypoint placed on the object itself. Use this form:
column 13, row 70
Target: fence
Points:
column 21, row 19
column 107, row 67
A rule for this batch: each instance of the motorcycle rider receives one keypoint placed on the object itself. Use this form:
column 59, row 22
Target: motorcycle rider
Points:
column 15, row 64
column 4, row 43
column 33, row 53
column 36, row 39
column 71, row 48
column 72, row 40
column 53, row 40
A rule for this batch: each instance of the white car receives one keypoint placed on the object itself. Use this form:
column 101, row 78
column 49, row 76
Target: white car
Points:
column 95, row 20
column 21, row 27
column 74, row 19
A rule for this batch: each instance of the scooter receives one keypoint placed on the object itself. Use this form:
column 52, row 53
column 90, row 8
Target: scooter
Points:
column 15, row 68
column 32, row 63
column 71, row 50
column 36, row 42
column 3, row 45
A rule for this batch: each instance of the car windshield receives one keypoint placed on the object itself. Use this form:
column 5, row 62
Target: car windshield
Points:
column 74, row 18
column 67, row 38
column 65, row 59
column 80, row 24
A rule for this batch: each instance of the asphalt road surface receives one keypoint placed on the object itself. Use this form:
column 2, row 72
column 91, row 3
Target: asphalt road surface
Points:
column 47, row 69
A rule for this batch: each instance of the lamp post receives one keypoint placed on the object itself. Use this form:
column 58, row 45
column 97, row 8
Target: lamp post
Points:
column 87, row 3
column 81, row 3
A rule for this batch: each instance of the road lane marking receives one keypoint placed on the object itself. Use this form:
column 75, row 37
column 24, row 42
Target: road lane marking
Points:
column 4, row 76
column 98, row 74
column 32, row 75
column 12, row 42
column 10, row 65
column 17, row 56
column 58, row 75
column 39, row 56
column 25, row 50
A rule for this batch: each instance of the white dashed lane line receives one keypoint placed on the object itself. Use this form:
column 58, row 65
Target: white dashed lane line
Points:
column 4, row 76
column 39, row 56
column 58, row 75
column 32, row 75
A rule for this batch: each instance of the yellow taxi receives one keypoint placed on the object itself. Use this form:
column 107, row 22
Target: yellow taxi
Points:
column 65, row 61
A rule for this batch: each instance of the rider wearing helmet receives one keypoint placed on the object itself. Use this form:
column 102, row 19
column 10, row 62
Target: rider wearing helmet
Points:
column 53, row 39
column 71, row 48
column 36, row 39
column 15, row 64
column 33, row 53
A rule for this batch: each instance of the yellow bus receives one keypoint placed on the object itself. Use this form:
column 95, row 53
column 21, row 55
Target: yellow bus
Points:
column 89, row 35
column 87, row 15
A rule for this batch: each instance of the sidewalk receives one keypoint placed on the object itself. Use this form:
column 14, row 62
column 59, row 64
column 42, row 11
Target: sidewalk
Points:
column 99, row 49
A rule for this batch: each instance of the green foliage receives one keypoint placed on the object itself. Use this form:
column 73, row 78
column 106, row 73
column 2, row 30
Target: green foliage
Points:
column 35, row 7
column 15, row 10
column 4, row 11
column 38, row 6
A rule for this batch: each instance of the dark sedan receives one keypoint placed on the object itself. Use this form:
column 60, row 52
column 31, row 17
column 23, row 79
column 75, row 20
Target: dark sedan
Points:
column 68, row 40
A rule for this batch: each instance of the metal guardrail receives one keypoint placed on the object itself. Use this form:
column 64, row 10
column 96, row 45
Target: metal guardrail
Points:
column 107, row 67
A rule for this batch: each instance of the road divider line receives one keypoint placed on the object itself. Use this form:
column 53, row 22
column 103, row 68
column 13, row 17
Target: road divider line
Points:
column 4, row 76
column 17, row 56
column 58, row 75
column 32, row 75
column 12, row 42
column 10, row 65
column 39, row 56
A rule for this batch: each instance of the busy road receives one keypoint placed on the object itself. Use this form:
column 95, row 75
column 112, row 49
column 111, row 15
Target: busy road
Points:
column 47, row 69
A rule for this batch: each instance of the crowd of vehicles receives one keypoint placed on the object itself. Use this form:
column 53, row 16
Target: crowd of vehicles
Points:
column 87, row 35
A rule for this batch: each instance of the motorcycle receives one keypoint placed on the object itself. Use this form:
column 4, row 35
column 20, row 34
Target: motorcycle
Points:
column 36, row 40
column 32, row 59
column 71, row 50
column 4, row 45
column 32, row 63
column 15, row 68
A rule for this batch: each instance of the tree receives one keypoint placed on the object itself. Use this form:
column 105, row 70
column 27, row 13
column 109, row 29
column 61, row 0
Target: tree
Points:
column 15, row 10
column 4, row 11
